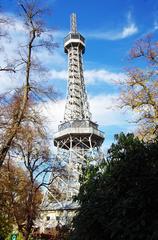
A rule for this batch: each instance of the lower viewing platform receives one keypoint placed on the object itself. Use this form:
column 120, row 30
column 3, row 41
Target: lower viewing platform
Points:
column 78, row 129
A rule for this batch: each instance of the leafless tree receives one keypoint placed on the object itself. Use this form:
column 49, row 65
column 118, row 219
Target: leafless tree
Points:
column 140, row 89
column 24, row 185
column 38, row 37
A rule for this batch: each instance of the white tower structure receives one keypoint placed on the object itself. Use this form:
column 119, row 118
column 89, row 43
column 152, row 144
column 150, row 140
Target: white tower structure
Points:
column 78, row 139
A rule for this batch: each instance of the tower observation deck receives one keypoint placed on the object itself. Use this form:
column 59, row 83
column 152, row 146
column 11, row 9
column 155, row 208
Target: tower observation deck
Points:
column 77, row 117
column 78, row 138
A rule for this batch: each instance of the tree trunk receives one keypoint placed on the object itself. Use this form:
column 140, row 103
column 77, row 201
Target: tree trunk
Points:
column 10, row 135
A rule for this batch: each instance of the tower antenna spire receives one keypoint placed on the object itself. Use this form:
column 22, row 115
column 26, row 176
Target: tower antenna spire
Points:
column 73, row 23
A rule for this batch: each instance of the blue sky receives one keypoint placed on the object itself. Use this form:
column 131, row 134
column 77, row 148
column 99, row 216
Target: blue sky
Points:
column 110, row 28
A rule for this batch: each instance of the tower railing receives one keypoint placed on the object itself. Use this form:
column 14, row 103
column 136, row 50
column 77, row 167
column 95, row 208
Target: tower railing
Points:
column 74, row 36
column 77, row 124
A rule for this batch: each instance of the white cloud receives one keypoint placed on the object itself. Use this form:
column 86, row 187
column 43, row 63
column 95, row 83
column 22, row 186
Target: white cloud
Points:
column 8, row 82
column 103, row 108
column 53, row 111
column 91, row 76
column 10, row 48
column 102, row 75
column 60, row 75
column 128, row 30
column 59, row 34
column 156, row 25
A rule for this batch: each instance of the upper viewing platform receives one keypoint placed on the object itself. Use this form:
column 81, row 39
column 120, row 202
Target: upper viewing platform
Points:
column 74, row 38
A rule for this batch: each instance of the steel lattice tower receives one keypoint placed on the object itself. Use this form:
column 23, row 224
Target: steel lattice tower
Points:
column 78, row 139
column 77, row 107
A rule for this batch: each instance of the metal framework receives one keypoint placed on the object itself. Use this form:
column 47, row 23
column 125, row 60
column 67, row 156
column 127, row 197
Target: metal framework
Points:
column 77, row 105
column 78, row 139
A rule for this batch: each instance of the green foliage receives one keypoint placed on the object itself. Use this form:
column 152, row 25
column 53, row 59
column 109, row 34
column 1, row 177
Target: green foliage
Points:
column 5, row 226
column 6, row 220
column 119, row 200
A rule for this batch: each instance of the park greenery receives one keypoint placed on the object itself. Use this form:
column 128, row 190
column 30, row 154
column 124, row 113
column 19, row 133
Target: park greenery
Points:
column 119, row 198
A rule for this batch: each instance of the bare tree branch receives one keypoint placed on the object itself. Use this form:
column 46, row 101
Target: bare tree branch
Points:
column 140, row 90
column 31, row 14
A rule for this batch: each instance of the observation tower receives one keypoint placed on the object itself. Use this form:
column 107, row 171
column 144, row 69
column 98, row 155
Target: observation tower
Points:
column 78, row 139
